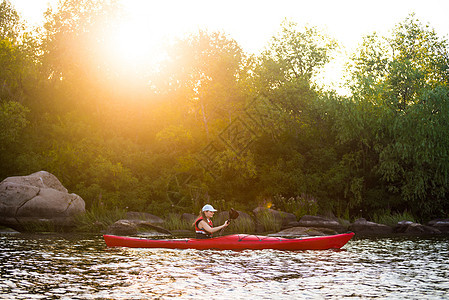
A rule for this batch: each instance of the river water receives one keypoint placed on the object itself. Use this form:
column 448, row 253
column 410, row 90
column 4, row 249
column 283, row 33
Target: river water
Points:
column 55, row 266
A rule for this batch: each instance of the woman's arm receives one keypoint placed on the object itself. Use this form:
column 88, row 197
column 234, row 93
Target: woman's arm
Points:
column 203, row 225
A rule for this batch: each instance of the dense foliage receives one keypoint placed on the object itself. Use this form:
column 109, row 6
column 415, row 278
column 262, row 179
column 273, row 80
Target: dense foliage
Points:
column 212, row 123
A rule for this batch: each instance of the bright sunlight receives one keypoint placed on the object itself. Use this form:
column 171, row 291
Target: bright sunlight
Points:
column 140, row 37
column 133, row 44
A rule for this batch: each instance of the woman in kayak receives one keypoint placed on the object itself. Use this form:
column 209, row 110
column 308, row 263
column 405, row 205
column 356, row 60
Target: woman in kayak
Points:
column 203, row 224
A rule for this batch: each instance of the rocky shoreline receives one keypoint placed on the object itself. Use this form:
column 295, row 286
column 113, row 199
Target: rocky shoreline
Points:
column 147, row 224
column 39, row 200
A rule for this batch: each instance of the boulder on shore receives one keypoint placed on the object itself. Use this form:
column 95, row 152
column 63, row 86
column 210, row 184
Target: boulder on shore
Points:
column 133, row 215
column 304, row 231
column 411, row 228
column 321, row 222
column 441, row 224
column 138, row 222
column 122, row 227
column 363, row 227
column 134, row 226
column 37, row 201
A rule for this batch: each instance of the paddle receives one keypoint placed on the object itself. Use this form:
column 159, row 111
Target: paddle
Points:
column 233, row 214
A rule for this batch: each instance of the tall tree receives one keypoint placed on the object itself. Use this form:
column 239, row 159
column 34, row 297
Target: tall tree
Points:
column 72, row 50
column 11, row 58
column 10, row 25
column 290, row 160
column 285, row 71
column 203, row 70
column 399, row 93
column 14, row 65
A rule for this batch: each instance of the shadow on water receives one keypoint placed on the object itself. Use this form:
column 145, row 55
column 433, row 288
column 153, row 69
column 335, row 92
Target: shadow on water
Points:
column 67, row 266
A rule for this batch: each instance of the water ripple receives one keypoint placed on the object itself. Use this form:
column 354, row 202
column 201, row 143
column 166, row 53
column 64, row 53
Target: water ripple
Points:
column 82, row 267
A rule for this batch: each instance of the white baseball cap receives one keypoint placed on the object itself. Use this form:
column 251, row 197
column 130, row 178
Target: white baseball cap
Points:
column 208, row 207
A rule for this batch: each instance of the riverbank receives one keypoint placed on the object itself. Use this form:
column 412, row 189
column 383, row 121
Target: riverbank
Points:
column 261, row 221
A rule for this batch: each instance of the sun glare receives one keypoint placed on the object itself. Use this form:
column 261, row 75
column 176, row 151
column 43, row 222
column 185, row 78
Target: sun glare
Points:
column 133, row 45
column 141, row 36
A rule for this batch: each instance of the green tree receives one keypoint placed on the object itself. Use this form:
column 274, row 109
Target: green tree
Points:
column 10, row 24
column 296, row 54
column 72, row 49
column 12, row 62
column 12, row 121
column 16, row 66
column 395, row 118
column 284, row 75
column 201, row 77
column 293, row 159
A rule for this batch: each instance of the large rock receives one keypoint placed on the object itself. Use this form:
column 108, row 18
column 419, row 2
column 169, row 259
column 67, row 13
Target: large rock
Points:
column 134, row 226
column 133, row 215
column 321, row 222
column 123, row 227
column 363, row 227
column 304, row 231
column 441, row 224
column 36, row 201
column 411, row 228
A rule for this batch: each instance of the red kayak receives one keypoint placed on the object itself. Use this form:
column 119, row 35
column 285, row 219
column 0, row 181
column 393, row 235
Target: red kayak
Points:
column 235, row 242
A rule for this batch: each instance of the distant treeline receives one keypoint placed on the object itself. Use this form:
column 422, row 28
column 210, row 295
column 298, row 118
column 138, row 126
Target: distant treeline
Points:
column 211, row 123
